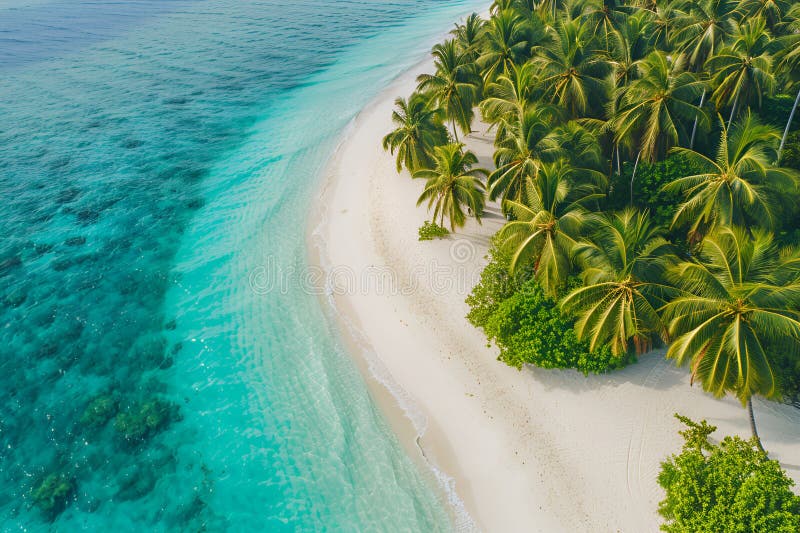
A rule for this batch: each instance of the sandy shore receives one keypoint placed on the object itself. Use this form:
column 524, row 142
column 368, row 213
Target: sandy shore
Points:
column 534, row 450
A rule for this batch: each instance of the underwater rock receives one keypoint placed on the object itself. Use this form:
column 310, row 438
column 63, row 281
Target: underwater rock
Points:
column 59, row 162
column 53, row 494
column 44, row 318
column 7, row 264
column 87, row 217
column 60, row 265
column 149, row 351
column 67, row 195
column 15, row 299
column 47, row 349
column 137, row 482
column 130, row 144
column 41, row 248
column 177, row 100
column 75, row 241
column 171, row 325
column 144, row 420
column 195, row 203
column 100, row 411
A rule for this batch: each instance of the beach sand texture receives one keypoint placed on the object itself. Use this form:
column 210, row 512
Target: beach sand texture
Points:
column 530, row 450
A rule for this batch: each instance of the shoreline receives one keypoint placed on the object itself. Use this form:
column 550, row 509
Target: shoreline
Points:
column 404, row 416
column 546, row 450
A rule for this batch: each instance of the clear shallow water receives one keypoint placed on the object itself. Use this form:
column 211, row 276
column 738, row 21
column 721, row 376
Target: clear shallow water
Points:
column 154, row 156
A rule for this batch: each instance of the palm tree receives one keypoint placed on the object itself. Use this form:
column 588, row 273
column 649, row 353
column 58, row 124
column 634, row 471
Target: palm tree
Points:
column 418, row 131
column 469, row 36
column 510, row 94
column 547, row 222
column 739, row 296
column 701, row 28
column 452, row 183
column 656, row 107
column 455, row 85
column 523, row 146
column 665, row 13
column 629, row 44
column 744, row 68
column 571, row 69
column 607, row 16
column 582, row 149
column 772, row 10
column 623, row 263
column 736, row 186
column 504, row 45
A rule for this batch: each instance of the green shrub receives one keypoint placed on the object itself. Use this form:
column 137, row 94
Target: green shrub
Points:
column 732, row 486
column 528, row 327
column 496, row 285
column 775, row 111
column 790, row 157
column 787, row 370
column 52, row 494
column 431, row 230
column 647, row 187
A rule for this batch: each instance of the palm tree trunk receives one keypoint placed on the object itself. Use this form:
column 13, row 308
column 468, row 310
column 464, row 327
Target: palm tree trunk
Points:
column 455, row 133
column 694, row 128
column 753, row 424
column 733, row 109
column 619, row 164
column 633, row 176
column 788, row 125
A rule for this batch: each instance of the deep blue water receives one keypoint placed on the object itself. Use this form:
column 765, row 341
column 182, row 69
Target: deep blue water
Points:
column 154, row 155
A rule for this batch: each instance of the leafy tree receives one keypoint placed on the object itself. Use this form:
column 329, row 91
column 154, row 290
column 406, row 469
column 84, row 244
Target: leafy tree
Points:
column 418, row 131
column 455, row 85
column 547, row 223
column 623, row 263
column 732, row 486
column 738, row 296
column 451, row 184
column 735, row 186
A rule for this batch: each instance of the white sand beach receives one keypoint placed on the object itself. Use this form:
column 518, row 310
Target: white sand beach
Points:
column 531, row 450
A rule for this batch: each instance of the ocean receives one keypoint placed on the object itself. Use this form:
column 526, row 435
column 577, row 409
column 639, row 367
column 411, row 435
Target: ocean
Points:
column 166, row 365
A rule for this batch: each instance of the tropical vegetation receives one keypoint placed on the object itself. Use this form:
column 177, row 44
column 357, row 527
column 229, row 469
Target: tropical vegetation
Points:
column 730, row 486
column 645, row 158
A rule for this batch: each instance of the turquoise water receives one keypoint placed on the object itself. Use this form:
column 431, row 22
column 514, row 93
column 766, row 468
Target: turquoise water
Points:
column 154, row 156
